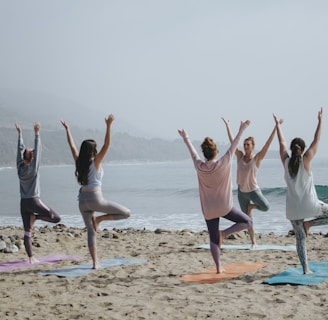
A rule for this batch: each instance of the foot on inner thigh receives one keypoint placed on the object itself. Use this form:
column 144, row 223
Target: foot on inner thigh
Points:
column 306, row 226
column 251, row 206
column 95, row 223
column 221, row 237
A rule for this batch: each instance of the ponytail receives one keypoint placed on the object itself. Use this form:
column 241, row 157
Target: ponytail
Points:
column 297, row 147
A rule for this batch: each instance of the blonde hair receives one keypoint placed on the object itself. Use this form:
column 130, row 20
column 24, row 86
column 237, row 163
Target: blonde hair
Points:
column 251, row 139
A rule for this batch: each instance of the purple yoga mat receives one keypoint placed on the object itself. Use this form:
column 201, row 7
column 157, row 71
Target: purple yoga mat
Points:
column 24, row 264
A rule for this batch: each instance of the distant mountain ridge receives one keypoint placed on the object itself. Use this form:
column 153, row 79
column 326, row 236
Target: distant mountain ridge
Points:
column 124, row 147
column 128, row 144
column 27, row 107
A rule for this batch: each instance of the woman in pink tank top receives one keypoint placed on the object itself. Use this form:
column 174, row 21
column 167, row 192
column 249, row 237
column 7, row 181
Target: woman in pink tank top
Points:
column 249, row 193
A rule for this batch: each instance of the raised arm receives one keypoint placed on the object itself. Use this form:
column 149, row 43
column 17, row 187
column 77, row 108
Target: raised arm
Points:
column 191, row 148
column 101, row 154
column 234, row 143
column 37, row 145
column 261, row 154
column 282, row 143
column 70, row 140
column 227, row 124
column 20, row 146
column 313, row 148
column 238, row 152
column 37, row 128
column 18, row 128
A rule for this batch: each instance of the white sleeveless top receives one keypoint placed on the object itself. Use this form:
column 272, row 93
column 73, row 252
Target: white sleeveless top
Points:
column 94, row 177
column 301, row 200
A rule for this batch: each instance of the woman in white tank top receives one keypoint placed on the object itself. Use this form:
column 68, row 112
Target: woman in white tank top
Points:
column 301, row 198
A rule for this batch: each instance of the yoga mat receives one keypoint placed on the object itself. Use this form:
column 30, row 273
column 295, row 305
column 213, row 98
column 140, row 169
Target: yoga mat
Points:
column 296, row 276
column 86, row 268
column 248, row 247
column 232, row 270
column 24, row 264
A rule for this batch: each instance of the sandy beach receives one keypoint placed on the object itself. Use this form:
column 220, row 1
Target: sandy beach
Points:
column 153, row 290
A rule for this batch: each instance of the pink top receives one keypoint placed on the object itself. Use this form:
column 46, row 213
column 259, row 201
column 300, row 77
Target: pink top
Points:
column 246, row 175
column 214, row 181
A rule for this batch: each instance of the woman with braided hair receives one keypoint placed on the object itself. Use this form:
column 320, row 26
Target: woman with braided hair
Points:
column 303, row 208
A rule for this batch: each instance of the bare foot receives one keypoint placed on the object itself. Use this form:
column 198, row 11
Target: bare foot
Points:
column 306, row 226
column 251, row 206
column 254, row 246
column 33, row 260
column 220, row 269
column 32, row 221
column 95, row 223
column 221, row 236
column 96, row 265
column 307, row 271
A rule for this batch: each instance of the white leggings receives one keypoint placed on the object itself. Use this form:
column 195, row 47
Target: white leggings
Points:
column 301, row 236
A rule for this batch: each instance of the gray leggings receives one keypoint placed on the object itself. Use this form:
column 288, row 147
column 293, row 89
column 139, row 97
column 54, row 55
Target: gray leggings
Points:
column 91, row 202
column 256, row 197
column 301, row 236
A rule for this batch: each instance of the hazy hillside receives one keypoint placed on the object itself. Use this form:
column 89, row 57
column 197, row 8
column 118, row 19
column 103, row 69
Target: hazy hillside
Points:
column 123, row 148
column 27, row 107
column 128, row 143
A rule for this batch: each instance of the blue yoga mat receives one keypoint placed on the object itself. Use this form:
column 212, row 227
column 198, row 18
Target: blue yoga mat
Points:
column 296, row 276
column 248, row 247
column 86, row 268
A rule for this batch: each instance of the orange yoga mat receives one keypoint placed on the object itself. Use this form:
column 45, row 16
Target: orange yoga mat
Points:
column 232, row 270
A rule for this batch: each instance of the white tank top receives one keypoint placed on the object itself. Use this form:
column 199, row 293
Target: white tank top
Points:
column 94, row 177
column 301, row 200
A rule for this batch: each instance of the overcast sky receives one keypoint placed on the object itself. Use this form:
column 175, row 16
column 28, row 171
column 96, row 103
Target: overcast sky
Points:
column 164, row 65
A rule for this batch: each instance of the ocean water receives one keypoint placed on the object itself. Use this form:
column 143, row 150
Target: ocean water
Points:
column 159, row 194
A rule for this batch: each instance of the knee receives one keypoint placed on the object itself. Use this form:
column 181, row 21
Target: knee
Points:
column 265, row 207
column 56, row 218
column 127, row 214
column 249, row 223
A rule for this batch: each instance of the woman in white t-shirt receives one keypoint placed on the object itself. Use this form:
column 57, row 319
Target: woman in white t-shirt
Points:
column 301, row 199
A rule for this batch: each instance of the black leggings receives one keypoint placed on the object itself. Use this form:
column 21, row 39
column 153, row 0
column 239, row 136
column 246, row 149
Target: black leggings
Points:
column 34, row 206
column 241, row 222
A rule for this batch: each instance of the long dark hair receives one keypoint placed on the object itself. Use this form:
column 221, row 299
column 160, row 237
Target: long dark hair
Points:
column 209, row 148
column 88, row 150
column 297, row 147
